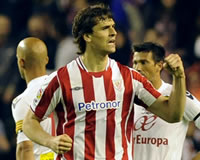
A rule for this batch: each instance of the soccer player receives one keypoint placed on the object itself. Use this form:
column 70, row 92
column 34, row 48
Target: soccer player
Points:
column 32, row 59
column 93, row 96
column 153, row 137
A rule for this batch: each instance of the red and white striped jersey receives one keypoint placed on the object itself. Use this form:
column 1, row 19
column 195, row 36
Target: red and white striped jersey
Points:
column 95, row 108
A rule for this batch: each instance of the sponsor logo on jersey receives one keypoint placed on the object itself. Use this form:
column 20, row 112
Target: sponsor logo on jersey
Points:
column 150, row 140
column 98, row 105
column 145, row 122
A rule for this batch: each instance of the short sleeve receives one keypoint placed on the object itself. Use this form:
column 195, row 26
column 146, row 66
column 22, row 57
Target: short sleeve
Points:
column 145, row 93
column 192, row 109
column 19, row 109
column 47, row 98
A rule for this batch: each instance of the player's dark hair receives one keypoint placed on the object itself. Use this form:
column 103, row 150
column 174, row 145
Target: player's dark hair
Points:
column 158, row 52
column 85, row 20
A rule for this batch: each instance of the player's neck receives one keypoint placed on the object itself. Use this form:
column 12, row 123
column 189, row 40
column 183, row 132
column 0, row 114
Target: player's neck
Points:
column 34, row 74
column 94, row 62
column 157, row 83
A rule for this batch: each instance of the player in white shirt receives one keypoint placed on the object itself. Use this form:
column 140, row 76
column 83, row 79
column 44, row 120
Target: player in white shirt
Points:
column 154, row 138
column 93, row 96
column 32, row 59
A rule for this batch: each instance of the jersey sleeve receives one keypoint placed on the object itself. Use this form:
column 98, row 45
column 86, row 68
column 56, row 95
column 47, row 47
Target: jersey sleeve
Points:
column 19, row 110
column 192, row 109
column 145, row 93
column 21, row 137
column 47, row 98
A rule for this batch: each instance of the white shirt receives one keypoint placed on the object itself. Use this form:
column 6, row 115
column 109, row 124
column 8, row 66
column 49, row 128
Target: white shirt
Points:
column 20, row 106
column 155, row 139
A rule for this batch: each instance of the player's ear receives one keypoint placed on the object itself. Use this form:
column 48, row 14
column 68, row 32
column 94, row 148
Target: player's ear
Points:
column 22, row 63
column 47, row 60
column 160, row 65
column 87, row 37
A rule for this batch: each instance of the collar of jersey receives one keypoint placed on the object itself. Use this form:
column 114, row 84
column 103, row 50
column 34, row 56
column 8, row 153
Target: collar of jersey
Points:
column 96, row 74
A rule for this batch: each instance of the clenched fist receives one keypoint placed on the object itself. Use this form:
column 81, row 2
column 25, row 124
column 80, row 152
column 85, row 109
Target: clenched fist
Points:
column 60, row 144
column 174, row 65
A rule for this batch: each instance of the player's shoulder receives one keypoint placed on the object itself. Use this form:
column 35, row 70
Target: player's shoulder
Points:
column 165, row 88
column 166, row 85
column 19, row 99
column 192, row 101
column 19, row 107
column 46, row 79
column 192, row 108
column 114, row 63
column 123, row 69
column 191, row 97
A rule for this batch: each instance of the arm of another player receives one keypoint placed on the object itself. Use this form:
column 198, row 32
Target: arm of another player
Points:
column 32, row 128
column 24, row 148
column 171, row 108
column 24, row 151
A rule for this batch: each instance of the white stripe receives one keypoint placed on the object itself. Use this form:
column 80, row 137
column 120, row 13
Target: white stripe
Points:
column 78, row 95
column 53, row 103
column 117, row 77
column 59, row 90
column 100, row 115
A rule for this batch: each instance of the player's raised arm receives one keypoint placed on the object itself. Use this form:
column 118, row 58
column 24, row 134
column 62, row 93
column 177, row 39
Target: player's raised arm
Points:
column 172, row 109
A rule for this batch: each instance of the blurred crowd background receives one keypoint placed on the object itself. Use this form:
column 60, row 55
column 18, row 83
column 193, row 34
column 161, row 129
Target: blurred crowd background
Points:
column 173, row 23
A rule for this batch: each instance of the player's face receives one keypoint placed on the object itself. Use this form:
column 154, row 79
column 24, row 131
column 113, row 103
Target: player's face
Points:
column 144, row 63
column 104, row 36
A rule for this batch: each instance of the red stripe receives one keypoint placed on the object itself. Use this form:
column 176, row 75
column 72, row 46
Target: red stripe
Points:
column 68, row 100
column 90, row 120
column 61, row 120
column 59, row 156
column 46, row 98
column 126, row 104
column 110, row 125
column 53, row 127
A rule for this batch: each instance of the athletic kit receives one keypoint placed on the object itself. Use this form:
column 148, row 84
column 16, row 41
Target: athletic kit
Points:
column 95, row 108
column 154, row 138
column 20, row 106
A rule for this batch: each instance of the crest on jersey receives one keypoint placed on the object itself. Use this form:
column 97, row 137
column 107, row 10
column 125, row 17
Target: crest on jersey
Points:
column 118, row 84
